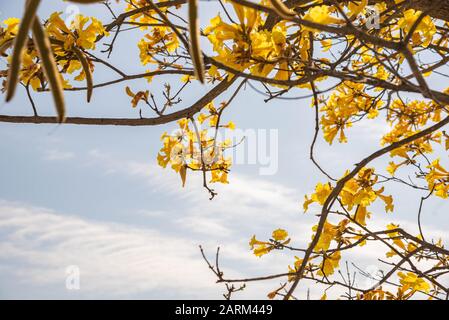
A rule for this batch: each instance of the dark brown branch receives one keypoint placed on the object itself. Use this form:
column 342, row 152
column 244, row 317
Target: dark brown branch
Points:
column 185, row 113
column 341, row 183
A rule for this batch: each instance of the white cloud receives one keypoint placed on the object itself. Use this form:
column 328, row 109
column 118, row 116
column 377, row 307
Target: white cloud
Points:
column 124, row 260
column 245, row 202
column 371, row 130
column 58, row 155
column 252, row 205
column 113, row 259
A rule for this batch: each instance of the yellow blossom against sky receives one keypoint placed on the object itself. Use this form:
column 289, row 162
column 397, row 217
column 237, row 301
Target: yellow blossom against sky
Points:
column 360, row 109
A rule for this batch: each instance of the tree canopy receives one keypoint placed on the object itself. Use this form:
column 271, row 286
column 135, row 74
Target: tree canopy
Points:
column 360, row 60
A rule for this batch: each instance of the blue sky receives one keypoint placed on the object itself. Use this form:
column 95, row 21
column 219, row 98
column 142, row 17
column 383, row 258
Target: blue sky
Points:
column 94, row 197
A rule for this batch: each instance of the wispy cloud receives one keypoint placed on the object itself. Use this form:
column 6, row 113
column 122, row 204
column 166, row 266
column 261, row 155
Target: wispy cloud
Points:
column 114, row 259
column 247, row 203
column 126, row 260
column 129, row 260
column 58, row 155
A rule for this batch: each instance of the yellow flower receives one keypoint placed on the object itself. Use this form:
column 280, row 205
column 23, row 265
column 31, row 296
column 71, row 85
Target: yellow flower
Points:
column 187, row 78
column 388, row 200
column 246, row 46
column 361, row 215
column 259, row 247
column 12, row 26
column 202, row 117
column 355, row 8
column 320, row 195
column 348, row 101
column 280, row 234
column 441, row 190
column 329, row 233
column 438, row 179
column 161, row 39
column 395, row 236
column 230, row 125
column 80, row 32
column 412, row 281
column 322, row 15
column 425, row 31
column 195, row 150
column 219, row 176
column 329, row 264
column 392, row 167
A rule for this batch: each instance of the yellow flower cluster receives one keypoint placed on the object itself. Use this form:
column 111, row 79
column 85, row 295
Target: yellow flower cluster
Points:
column 82, row 33
column 438, row 179
column 160, row 40
column 323, row 15
column 329, row 264
column 279, row 239
column 424, row 32
column 248, row 46
column 357, row 193
column 348, row 101
column 8, row 32
column 407, row 119
column 196, row 149
column 320, row 195
column 330, row 233
column 30, row 68
column 381, row 294
column 147, row 18
column 410, row 280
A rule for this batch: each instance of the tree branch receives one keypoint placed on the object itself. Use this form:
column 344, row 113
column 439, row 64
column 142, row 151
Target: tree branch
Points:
column 185, row 113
